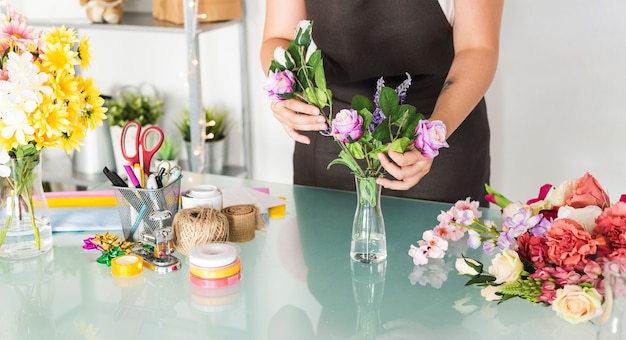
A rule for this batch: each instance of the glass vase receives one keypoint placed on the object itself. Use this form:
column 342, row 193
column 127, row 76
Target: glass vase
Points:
column 25, row 229
column 613, row 321
column 369, row 244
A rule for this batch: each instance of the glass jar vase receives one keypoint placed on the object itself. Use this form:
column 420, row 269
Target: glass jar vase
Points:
column 369, row 243
column 25, row 229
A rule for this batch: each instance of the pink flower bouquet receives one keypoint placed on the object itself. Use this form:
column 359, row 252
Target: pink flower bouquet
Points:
column 550, row 250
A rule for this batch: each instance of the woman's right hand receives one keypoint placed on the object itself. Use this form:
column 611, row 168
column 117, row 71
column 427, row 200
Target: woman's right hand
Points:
column 296, row 116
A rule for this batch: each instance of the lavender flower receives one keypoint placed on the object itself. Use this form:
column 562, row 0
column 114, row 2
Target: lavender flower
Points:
column 402, row 89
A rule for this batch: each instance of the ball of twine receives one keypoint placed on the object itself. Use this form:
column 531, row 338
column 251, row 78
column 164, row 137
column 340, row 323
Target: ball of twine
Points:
column 241, row 221
column 199, row 225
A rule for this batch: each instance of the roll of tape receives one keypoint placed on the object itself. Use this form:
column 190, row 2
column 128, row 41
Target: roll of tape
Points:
column 216, row 272
column 213, row 255
column 208, row 196
column 127, row 265
column 214, row 283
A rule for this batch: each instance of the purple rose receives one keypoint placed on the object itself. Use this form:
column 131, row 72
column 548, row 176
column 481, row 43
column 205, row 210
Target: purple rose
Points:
column 279, row 85
column 430, row 137
column 347, row 123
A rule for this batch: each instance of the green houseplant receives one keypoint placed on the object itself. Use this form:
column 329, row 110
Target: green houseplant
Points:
column 168, row 151
column 145, row 109
column 217, row 124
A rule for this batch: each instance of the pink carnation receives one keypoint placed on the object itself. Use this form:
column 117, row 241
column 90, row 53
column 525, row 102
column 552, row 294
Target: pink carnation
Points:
column 611, row 225
column 569, row 244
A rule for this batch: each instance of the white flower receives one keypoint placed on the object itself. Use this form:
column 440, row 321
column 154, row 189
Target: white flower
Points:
column 283, row 57
column 464, row 268
column 5, row 171
column 506, row 266
column 577, row 304
column 489, row 293
column 16, row 124
column 585, row 216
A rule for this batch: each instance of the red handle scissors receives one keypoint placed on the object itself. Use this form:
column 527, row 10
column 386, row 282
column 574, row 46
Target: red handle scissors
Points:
column 139, row 145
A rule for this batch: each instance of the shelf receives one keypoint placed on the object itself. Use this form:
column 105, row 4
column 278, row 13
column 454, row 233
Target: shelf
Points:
column 134, row 21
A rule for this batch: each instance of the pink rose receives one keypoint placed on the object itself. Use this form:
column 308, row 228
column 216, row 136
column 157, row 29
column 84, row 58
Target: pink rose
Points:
column 611, row 224
column 568, row 243
column 279, row 85
column 347, row 123
column 430, row 137
column 588, row 192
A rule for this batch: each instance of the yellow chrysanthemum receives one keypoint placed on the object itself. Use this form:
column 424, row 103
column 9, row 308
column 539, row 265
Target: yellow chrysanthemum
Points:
column 50, row 120
column 65, row 87
column 73, row 139
column 58, row 58
column 60, row 35
column 93, row 111
column 84, row 53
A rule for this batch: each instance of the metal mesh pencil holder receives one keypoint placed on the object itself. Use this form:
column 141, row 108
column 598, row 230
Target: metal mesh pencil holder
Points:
column 137, row 205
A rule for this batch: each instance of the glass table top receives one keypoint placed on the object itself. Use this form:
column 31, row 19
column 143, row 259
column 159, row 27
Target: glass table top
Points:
column 297, row 282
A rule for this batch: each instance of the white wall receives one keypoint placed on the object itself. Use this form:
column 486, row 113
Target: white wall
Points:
column 556, row 105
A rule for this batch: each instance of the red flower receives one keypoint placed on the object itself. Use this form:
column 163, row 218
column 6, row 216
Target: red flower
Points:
column 568, row 243
column 533, row 249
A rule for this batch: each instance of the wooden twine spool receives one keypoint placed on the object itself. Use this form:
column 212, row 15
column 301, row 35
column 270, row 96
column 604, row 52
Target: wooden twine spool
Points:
column 199, row 225
column 241, row 221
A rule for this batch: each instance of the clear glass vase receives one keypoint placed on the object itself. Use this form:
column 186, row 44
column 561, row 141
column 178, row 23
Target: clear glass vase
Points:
column 369, row 243
column 25, row 229
column 613, row 321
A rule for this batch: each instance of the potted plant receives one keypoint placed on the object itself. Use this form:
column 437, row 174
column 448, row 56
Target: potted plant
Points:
column 129, row 106
column 168, row 151
column 217, row 124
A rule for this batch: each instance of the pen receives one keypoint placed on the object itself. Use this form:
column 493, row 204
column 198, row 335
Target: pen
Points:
column 142, row 212
column 152, row 182
column 114, row 178
column 139, row 174
column 131, row 176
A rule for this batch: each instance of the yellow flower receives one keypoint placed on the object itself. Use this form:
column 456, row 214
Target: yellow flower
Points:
column 72, row 139
column 65, row 87
column 58, row 58
column 84, row 53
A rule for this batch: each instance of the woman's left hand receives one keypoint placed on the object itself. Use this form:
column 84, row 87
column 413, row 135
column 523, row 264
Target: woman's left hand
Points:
column 407, row 168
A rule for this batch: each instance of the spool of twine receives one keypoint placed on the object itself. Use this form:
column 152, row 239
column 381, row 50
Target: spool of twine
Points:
column 241, row 222
column 199, row 225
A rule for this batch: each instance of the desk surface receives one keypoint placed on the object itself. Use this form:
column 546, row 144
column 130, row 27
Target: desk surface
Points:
column 298, row 282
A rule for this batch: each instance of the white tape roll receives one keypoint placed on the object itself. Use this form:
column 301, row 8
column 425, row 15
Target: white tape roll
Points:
column 208, row 196
column 213, row 255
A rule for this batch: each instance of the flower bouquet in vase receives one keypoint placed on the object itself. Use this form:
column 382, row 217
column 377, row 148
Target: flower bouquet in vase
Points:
column 368, row 128
column 43, row 103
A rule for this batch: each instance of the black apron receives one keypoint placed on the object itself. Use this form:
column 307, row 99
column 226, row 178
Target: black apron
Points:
column 362, row 40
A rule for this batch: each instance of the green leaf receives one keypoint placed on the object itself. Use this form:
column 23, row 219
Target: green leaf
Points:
column 382, row 132
column 360, row 102
column 388, row 100
column 481, row 278
column 367, row 118
column 400, row 145
column 356, row 150
column 347, row 160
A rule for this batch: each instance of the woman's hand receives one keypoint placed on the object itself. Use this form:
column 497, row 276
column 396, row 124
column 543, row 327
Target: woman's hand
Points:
column 407, row 168
column 296, row 116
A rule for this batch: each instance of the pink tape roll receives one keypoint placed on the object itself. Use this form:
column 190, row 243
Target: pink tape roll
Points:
column 214, row 283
